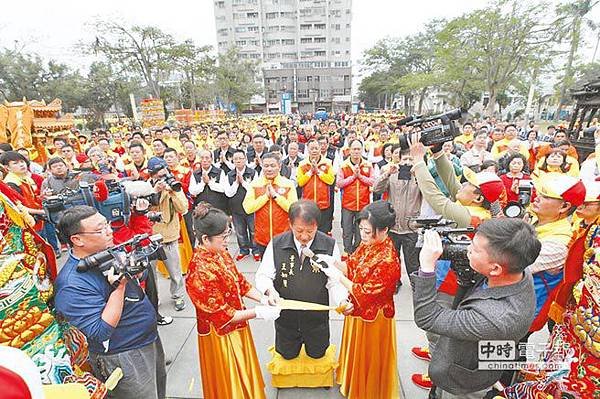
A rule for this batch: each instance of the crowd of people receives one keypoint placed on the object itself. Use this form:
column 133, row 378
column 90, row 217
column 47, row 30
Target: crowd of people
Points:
column 275, row 182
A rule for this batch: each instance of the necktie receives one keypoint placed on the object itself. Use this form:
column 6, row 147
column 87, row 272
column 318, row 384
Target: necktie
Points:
column 302, row 256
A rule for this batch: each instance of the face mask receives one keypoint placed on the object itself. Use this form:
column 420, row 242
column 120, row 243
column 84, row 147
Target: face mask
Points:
column 404, row 172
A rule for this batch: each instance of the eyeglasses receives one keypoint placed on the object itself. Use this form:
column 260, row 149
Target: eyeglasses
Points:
column 105, row 227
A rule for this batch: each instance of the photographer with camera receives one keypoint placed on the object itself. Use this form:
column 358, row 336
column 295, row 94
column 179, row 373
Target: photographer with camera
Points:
column 499, row 307
column 469, row 204
column 171, row 204
column 119, row 324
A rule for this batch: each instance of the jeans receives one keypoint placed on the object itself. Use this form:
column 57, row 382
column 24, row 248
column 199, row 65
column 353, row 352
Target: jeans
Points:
column 350, row 233
column 172, row 263
column 144, row 374
column 48, row 233
column 244, row 232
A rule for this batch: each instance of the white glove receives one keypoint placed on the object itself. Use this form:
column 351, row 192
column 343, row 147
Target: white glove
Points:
column 267, row 312
column 333, row 273
column 327, row 259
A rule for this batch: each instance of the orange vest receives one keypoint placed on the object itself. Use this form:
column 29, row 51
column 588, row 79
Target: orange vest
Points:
column 316, row 190
column 357, row 194
column 271, row 219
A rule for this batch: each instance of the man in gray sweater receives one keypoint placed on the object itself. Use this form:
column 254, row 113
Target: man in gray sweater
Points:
column 500, row 307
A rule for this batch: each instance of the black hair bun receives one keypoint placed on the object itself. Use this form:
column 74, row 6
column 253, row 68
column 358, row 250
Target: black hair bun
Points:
column 382, row 213
column 201, row 210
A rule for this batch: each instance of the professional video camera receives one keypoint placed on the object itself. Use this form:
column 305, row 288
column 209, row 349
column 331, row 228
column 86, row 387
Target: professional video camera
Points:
column 454, row 241
column 127, row 259
column 516, row 209
column 436, row 129
column 108, row 197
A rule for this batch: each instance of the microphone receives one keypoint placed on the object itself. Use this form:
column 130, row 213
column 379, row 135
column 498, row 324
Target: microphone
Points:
column 313, row 258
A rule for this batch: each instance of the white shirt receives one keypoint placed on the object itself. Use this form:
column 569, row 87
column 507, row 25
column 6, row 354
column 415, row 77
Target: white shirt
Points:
column 231, row 189
column 265, row 274
column 197, row 187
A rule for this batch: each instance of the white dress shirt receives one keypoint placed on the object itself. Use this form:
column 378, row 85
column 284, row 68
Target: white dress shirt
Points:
column 265, row 274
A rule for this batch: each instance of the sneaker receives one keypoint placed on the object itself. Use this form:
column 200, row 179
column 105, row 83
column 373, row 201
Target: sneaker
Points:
column 164, row 320
column 240, row 257
column 257, row 257
column 422, row 381
column 179, row 304
column 421, row 353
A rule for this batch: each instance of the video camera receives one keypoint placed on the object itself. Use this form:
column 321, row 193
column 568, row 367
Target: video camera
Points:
column 517, row 209
column 436, row 129
column 115, row 206
column 454, row 242
column 127, row 259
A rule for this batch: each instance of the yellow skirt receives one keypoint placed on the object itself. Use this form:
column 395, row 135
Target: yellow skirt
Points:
column 367, row 371
column 185, row 251
column 229, row 366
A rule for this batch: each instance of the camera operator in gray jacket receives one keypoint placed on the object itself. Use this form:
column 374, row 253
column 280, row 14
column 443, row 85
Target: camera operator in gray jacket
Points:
column 500, row 306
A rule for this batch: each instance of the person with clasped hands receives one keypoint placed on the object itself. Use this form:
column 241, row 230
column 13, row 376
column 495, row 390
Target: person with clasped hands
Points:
column 117, row 320
column 500, row 306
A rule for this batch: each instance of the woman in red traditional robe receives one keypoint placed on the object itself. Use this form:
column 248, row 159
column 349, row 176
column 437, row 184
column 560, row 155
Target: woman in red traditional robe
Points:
column 228, row 361
column 373, row 272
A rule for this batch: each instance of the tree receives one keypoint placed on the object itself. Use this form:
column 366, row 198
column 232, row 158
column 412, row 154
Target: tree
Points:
column 26, row 75
column 196, row 65
column 144, row 50
column 235, row 80
column 571, row 18
column 495, row 45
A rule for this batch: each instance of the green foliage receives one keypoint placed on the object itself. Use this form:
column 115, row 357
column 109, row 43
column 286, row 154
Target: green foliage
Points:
column 504, row 46
column 235, row 80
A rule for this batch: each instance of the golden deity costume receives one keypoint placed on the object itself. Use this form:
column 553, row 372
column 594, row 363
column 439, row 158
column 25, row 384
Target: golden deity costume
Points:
column 228, row 361
column 367, row 371
column 575, row 339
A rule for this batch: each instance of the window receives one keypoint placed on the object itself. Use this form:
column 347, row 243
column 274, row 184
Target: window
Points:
column 305, row 40
column 240, row 29
column 220, row 4
column 240, row 42
column 320, row 39
column 252, row 28
column 273, row 28
column 273, row 42
column 289, row 55
column 320, row 53
column 317, row 78
column 305, row 12
column 271, row 15
column 336, row 40
column 336, row 13
column 254, row 56
column 272, row 56
column 290, row 14
column 305, row 26
column 335, row 26
column 302, row 93
column 288, row 42
column 222, row 44
column 288, row 28
column 320, row 26
column 251, row 15
column 347, row 26
column 306, row 54
column 347, row 39
column 222, row 31
column 254, row 42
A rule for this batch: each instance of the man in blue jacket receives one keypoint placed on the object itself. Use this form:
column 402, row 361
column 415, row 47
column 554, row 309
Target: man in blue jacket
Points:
column 119, row 323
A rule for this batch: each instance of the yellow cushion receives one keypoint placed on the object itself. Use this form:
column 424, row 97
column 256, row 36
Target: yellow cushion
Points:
column 65, row 391
column 303, row 371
